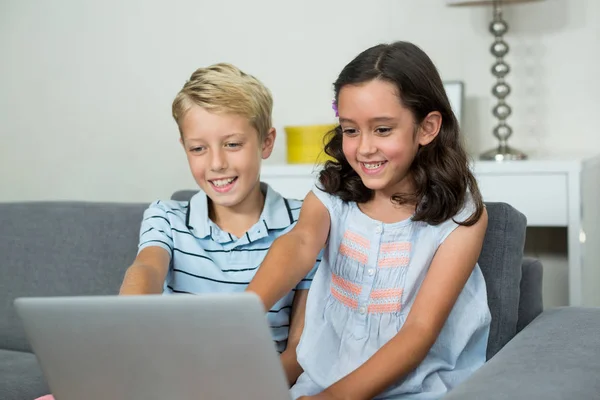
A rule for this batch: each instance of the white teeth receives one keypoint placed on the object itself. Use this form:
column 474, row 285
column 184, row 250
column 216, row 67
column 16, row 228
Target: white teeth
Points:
column 222, row 182
column 373, row 165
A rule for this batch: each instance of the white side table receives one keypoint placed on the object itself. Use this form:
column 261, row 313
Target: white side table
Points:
column 550, row 192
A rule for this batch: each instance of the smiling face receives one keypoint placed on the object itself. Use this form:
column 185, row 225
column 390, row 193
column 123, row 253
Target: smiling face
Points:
column 224, row 152
column 380, row 135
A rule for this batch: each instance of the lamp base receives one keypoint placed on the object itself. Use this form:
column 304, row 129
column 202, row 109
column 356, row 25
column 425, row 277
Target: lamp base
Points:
column 503, row 153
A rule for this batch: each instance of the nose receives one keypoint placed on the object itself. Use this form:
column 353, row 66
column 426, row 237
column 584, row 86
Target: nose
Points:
column 365, row 145
column 218, row 161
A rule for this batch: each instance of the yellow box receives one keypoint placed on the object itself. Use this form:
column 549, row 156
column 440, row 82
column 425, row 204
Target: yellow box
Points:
column 305, row 144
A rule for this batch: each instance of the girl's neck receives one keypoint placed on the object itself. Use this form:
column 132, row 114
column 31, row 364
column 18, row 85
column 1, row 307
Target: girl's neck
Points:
column 238, row 219
column 381, row 207
column 406, row 186
column 385, row 211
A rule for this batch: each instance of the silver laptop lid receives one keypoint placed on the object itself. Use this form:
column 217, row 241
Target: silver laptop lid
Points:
column 179, row 347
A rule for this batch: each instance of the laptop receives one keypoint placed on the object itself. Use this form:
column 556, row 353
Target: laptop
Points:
column 179, row 347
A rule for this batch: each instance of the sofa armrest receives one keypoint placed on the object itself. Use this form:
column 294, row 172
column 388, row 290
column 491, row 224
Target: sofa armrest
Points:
column 530, row 301
column 554, row 357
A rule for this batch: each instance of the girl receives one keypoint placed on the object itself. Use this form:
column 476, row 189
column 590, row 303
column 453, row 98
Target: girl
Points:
column 398, row 307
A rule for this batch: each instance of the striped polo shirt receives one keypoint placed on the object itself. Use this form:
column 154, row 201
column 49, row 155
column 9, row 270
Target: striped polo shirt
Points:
column 206, row 259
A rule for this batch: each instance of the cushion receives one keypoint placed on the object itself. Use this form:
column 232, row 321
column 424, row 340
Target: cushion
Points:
column 62, row 248
column 553, row 358
column 20, row 376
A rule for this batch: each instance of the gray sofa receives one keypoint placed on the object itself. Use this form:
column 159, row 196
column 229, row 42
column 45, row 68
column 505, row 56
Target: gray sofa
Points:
column 80, row 248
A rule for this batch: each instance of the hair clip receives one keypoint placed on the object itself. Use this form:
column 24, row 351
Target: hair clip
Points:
column 334, row 107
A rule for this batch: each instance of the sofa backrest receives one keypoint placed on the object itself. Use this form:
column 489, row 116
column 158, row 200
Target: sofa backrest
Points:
column 501, row 264
column 78, row 248
column 59, row 249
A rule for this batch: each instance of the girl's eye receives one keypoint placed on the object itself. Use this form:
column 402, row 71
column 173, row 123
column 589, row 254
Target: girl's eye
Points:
column 383, row 130
column 349, row 131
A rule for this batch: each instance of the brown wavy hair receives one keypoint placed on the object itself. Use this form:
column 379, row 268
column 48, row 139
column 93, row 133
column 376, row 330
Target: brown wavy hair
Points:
column 440, row 169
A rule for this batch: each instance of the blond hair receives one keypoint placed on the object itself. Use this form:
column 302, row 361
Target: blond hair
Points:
column 224, row 88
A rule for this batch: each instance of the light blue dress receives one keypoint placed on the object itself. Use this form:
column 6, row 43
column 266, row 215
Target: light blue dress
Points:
column 362, row 293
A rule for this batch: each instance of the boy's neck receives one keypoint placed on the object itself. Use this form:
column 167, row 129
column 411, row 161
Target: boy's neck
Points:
column 238, row 219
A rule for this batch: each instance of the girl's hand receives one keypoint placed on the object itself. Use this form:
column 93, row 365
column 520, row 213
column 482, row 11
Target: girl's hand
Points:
column 325, row 395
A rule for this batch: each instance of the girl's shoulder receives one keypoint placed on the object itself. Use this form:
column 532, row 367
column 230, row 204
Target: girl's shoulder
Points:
column 444, row 229
column 333, row 203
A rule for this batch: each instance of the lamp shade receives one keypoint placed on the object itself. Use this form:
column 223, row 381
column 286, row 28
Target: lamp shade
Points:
column 482, row 2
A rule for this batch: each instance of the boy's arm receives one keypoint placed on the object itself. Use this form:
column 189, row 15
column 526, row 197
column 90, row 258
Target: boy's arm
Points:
column 292, row 255
column 449, row 271
column 288, row 357
column 147, row 273
column 149, row 269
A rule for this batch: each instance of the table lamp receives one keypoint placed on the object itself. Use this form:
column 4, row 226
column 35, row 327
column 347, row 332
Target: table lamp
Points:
column 502, row 131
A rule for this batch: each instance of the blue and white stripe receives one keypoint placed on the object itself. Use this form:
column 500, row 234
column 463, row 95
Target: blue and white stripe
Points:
column 205, row 259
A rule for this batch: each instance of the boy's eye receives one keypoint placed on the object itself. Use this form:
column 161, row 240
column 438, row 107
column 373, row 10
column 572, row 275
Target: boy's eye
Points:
column 197, row 149
column 233, row 145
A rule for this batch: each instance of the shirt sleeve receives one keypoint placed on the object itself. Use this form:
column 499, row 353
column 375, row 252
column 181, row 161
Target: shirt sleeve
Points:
column 156, row 229
column 331, row 202
column 447, row 227
column 305, row 283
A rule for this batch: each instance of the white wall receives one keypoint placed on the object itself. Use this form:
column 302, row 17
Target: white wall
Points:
column 86, row 86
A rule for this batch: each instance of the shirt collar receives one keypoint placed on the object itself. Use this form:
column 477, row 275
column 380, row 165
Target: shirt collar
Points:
column 276, row 214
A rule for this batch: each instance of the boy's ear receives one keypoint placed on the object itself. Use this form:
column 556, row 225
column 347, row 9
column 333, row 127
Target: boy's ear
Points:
column 268, row 143
column 430, row 127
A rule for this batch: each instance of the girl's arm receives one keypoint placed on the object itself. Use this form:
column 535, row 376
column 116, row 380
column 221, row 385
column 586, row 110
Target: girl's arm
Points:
column 292, row 255
column 288, row 358
column 449, row 271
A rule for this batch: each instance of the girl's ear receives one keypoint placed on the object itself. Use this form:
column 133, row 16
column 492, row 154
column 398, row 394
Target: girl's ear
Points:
column 430, row 127
column 268, row 143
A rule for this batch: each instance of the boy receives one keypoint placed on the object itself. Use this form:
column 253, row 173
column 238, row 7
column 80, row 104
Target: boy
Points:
column 216, row 242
